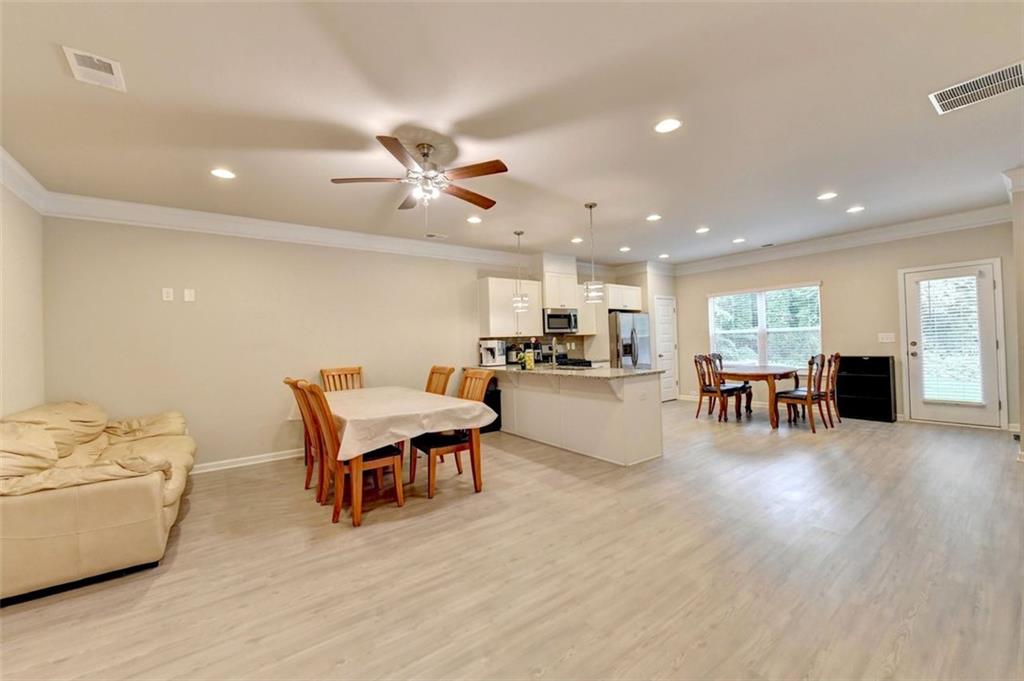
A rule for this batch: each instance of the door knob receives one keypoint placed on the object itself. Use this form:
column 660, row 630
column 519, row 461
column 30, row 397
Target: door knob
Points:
column 913, row 354
column 913, row 344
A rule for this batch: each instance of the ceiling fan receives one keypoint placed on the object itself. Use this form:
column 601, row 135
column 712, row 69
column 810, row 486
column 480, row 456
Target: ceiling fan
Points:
column 427, row 179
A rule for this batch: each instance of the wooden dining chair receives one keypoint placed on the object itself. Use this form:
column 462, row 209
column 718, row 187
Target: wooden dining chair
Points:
column 329, row 443
column 807, row 396
column 436, row 445
column 831, row 379
column 342, row 378
column 704, row 386
column 721, row 391
column 309, row 436
column 437, row 379
column 716, row 357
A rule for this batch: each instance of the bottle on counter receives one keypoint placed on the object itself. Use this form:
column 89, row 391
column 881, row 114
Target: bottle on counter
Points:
column 528, row 356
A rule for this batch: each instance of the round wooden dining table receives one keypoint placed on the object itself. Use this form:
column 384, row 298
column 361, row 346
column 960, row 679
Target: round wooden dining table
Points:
column 769, row 373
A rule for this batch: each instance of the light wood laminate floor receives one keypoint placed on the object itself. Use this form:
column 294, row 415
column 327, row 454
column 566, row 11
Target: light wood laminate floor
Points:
column 871, row 551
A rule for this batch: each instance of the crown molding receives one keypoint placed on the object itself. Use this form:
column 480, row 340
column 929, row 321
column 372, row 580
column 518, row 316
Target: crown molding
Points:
column 1014, row 179
column 53, row 204
column 21, row 183
column 982, row 217
column 186, row 220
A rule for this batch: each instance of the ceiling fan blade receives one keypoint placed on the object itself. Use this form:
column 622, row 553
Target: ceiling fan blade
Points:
column 476, row 170
column 347, row 180
column 466, row 195
column 397, row 150
column 409, row 202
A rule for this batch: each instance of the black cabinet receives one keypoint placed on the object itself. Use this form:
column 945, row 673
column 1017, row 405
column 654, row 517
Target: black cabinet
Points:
column 866, row 388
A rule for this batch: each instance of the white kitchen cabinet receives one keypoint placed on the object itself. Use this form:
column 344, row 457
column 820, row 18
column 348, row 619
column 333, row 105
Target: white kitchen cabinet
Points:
column 497, row 320
column 624, row 297
column 559, row 290
column 587, row 319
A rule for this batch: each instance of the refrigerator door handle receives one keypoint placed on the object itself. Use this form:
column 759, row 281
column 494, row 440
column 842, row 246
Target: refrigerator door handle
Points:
column 633, row 339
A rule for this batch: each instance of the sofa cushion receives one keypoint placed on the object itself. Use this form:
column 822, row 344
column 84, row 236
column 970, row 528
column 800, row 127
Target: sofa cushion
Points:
column 179, row 450
column 166, row 423
column 25, row 448
column 58, row 428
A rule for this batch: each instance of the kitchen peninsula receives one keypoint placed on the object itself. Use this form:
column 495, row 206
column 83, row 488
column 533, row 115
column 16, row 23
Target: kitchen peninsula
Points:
column 608, row 414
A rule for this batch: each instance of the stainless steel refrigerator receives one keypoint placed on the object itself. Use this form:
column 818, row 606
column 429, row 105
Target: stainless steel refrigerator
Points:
column 629, row 339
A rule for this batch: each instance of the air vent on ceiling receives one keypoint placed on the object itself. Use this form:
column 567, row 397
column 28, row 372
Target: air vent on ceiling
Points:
column 977, row 89
column 91, row 68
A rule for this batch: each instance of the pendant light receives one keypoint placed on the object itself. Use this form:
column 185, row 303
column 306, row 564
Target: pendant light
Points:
column 593, row 290
column 520, row 300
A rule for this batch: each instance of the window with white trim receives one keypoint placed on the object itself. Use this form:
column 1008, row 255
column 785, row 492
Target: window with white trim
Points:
column 768, row 326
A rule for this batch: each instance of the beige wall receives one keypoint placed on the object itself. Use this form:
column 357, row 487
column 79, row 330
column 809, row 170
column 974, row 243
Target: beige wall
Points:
column 859, row 295
column 21, row 305
column 264, row 310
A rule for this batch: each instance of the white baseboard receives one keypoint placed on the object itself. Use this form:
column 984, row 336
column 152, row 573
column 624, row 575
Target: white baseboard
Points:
column 1013, row 427
column 246, row 461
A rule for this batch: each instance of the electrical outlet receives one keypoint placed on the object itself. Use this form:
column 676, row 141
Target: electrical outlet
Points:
column 888, row 337
column 167, row 294
column 189, row 295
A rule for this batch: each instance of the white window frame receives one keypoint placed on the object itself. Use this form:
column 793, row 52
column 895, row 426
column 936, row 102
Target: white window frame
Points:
column 762, row 315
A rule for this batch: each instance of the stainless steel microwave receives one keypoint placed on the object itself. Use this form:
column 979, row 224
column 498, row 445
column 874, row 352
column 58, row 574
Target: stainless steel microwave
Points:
column 560, row 320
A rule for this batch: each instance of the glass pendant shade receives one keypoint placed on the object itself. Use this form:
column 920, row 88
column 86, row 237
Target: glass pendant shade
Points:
column 520, row 300
column 593, row 291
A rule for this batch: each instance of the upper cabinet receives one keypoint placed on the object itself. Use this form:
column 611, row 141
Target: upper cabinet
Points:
column 624, row 297
column 497, row 320
column 560, row 290
column 587, row 319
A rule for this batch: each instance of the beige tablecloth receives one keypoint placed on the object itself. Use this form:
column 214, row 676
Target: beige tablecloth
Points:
column 374, row 417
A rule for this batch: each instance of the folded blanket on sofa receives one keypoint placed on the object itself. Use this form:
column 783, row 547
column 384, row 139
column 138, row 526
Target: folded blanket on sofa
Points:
column 57, row 478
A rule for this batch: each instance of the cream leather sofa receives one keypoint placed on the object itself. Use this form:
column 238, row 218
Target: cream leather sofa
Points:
column 82, row 496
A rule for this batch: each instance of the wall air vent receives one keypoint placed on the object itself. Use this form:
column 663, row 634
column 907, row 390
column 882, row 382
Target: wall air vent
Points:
column 96, row 70
column 977, row 89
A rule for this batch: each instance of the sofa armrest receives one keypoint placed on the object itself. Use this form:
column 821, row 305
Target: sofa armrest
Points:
column 167, row 423
column 61, row 535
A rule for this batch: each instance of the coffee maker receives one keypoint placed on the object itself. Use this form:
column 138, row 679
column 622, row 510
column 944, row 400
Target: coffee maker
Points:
column 492, row 353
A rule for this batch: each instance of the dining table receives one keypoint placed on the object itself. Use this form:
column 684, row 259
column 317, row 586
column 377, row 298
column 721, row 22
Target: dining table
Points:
column 370, row 418
column 769, row 373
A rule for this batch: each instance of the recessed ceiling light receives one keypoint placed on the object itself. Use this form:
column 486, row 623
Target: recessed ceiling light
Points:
column 738, row 240
column 653, row 217
column 855, row 209
column 625, row 249
column 827, row 195
column 667, row 125
column 577, row 240
column 663, row 256
column 223, row 173
column 474, row 220
column 703, row 230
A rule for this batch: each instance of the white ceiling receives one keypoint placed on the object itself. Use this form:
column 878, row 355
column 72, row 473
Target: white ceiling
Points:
column 779, row 103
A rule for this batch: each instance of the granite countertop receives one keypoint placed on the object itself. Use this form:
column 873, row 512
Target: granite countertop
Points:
column 606, row 374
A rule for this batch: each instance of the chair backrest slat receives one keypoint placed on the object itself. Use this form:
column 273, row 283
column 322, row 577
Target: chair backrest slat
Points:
column 474, row 384
column 308, row 425
column 700, row 363
column 342, row 378
column 815, row 370
column 437, row 379
column 833, row 372
column 326, row 432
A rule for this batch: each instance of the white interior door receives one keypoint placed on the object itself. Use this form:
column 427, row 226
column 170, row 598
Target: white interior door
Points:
column 951, row 343
column 665, row 337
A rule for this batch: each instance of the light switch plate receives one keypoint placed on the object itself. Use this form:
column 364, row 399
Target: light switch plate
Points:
column 167, row 294
column 189, row 295
column 886, row 338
